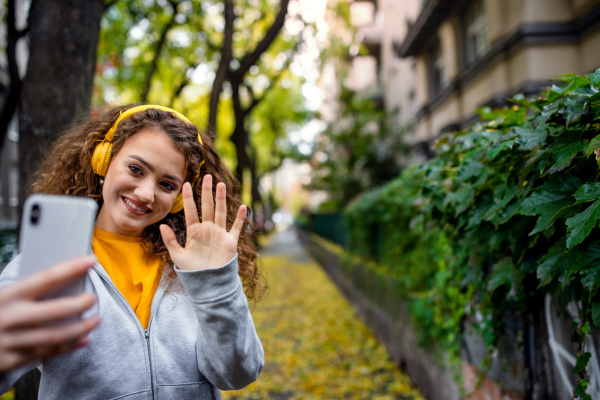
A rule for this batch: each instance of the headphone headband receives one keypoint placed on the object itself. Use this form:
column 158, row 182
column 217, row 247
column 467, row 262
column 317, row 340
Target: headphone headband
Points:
column 134, row 110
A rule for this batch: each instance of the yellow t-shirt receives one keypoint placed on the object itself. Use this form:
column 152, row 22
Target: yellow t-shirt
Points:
column 135, row 274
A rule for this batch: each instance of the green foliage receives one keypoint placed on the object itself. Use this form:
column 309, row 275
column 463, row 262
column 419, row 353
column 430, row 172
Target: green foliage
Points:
column 360, row 151
column 516, row 200
column 191, row 33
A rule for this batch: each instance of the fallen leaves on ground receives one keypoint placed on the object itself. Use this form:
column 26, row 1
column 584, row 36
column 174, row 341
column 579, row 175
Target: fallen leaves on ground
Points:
column 316, row 347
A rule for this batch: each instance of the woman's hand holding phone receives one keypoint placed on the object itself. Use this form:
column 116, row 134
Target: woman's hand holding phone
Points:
column 29, row 328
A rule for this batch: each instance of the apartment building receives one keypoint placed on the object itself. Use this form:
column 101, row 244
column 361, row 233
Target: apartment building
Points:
column 471, row 53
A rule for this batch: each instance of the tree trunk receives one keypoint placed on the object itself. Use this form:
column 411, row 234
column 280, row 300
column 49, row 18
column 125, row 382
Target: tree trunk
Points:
column 57, row 88
column 239, row 136
column 222, row 71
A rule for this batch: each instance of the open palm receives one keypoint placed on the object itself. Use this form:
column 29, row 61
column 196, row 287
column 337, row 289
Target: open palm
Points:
column 208, row 244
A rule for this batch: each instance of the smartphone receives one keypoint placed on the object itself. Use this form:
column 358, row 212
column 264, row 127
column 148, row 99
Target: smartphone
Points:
column 55, row 229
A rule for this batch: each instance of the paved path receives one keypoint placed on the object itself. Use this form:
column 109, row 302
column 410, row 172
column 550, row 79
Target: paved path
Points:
column 315, row 345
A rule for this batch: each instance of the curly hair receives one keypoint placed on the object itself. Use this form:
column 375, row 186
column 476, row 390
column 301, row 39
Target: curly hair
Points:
column 67, row 170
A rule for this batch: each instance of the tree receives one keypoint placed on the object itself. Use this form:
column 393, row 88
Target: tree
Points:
column 211, row 58
column 57, row 88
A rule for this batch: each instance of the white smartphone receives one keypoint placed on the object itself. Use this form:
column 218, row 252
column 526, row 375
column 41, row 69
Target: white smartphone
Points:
column 55, row 229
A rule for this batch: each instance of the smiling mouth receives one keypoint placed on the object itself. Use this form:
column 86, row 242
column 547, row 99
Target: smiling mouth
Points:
column 134, row 207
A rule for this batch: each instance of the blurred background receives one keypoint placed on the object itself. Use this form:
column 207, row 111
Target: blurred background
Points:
column 319, row 106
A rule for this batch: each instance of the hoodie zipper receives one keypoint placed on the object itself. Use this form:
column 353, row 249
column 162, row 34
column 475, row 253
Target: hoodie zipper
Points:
column 146, row 332
column 147, row 335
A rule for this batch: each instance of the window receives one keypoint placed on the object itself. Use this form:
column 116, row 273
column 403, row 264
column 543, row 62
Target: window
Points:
column 437, row 68
column 476, row 35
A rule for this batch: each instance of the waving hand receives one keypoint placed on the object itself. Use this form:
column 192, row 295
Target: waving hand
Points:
column 208, row 244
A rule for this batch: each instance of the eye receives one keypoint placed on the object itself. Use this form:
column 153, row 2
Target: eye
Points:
column 168, row 186
column 135, row 169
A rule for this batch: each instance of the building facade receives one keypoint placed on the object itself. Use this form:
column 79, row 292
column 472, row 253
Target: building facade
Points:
column 471, row 53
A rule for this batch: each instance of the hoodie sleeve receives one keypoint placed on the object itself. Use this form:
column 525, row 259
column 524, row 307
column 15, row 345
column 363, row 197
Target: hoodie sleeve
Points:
column 8, row 276
column 230, row 354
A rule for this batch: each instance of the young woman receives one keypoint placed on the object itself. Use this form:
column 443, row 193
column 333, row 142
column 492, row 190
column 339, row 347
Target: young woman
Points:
column 166, row 314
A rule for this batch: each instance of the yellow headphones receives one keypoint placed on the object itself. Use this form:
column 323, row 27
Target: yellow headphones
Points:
column 103, row 152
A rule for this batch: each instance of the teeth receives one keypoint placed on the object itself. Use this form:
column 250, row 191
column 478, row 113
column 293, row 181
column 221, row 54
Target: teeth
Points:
column 135, row 207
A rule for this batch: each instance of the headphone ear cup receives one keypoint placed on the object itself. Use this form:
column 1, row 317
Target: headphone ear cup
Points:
column 101, row 158
column 177, row 205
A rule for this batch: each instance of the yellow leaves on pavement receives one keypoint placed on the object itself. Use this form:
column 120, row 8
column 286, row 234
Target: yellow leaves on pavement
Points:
column 316, row 347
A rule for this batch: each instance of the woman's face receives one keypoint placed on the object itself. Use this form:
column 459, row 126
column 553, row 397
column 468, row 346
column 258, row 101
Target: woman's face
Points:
column 141, row 184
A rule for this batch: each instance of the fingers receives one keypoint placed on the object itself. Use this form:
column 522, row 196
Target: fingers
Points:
column 189, row 205
column 63, row 336
column 169, row 238
column 35, row 313
column 239, row 222
column 221, row 208
column 41, row 282
column 208, row 206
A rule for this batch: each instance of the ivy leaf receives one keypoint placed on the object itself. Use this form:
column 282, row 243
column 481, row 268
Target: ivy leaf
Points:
column 494, row 151
column 594, row 100
column 557, row 91
column 553, row 199
column 596, row 313
column 469, row 169
column 552, row 263
column 529, row 140
column 588, row 192
column 502, row 274
column 580, row 225
column 596, row 77
column 590, row 272
column 594, row 144
column 563, row 153
column 547, row 111
column 461, row 198
column 575, row 107
column 582, row 362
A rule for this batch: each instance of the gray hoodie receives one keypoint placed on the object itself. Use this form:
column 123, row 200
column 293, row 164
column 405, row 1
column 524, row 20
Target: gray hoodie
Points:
column 198, row 341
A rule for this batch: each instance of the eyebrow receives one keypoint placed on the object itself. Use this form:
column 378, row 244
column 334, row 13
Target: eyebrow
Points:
column 151, row 168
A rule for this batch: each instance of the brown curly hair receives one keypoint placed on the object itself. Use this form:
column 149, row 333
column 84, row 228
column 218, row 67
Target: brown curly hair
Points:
column 67, row 170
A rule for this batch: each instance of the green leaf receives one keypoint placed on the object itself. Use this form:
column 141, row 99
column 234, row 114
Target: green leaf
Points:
column 471, row 168
column 494, row 151
column 596, row 313
column 575, row 107
column 529, row 140
column 580, row 225
column 553, row 199
column 596, row 77
column 553, row 262
column 594, row 100
column 564, row 152
column 461, row 198
column 502, row 273
column 588, row 192
column 557, row 91
column 582, row 362
column 594, row 144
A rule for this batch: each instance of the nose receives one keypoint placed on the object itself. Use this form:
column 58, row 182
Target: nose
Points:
column 144, row 191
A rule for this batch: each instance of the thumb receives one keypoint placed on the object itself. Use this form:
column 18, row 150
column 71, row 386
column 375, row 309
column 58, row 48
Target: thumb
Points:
column 168, row 237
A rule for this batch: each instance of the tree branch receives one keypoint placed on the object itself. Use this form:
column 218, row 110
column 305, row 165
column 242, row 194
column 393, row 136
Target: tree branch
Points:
column 251, row 58
column 222, row 71
column 109, row 4
column 159, row 46
column 274, row 80
column 14, row 89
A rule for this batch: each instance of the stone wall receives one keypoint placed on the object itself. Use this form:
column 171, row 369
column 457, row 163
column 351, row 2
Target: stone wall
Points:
column 534, row 357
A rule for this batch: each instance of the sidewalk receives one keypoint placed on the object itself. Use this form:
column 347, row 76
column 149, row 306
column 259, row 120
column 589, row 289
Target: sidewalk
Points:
column 315, row 345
